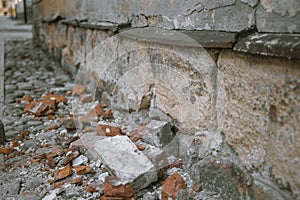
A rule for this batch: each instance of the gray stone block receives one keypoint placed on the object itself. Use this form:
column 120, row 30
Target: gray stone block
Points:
column 126, row 161
column 271, row 21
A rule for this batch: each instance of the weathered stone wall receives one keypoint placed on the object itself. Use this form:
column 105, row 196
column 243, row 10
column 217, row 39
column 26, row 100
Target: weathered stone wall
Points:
column 248, row 111
column 226, row 15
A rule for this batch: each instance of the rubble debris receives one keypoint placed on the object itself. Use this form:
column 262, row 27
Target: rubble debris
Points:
column 40, row 107
column 57, row 98
column 81, row 170
column 113, row 189
column 53, row 127
column 171, row 186
column 159, row 133
column 130, row 165
column 85, row 98
column 197, row 187
column 77, row 180
column 107, row 130
column 79, row 90
column 63, row 173
column 6, row 150
column 69, row 124
column 27, row 98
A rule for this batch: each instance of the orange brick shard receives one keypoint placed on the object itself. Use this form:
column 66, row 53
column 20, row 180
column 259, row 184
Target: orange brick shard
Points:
column 171, row 186
column 63, row 173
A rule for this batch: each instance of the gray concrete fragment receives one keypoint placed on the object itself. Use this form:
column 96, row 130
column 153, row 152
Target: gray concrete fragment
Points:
column 126, row 161
column 139, row 21
column 80, row 160
column 159, row 133
column 2, row 161
column 53, row 194
column 14, row 187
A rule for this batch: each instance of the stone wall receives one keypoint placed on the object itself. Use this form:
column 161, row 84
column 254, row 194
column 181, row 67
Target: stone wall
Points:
column 242, row 110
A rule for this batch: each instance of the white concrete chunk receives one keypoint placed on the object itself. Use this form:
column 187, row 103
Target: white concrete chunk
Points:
column 121, row 155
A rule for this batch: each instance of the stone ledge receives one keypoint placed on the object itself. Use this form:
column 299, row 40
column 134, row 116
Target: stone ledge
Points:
column 279, row 45
column 53, row 18
column 213, row 39
column 268, row 44
column 104, row 25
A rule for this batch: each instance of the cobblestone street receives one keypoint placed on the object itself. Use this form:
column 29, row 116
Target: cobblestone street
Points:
column 30, row 73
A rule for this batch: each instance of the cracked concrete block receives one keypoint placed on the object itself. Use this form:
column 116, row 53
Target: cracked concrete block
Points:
column 259, row 113
column 126, row 161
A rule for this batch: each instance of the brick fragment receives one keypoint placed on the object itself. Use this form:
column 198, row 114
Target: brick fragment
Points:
column 53, row 127
column 107, row 130
column 91, row 189
column 122, row 190
column 85, row 98
column 27, row 98
column 58, row 98
column 6, row 150
column 70, row 180
column 197, row 187
column 79, row 90
column 81, row 170
column 63, row 173
column 171, row 186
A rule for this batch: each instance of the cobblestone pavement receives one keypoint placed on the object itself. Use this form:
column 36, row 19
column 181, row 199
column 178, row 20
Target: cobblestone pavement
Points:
column 38, row 146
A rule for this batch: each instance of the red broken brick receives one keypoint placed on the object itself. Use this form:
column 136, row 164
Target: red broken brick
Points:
column 70, row 180
column 6, row 150
column 40, row 107
column 58, row 98
column 99, row 111
column 79, row 90
column 27, row 98
column 53, row 127
column 51, row 162
column 63, row 173
column 107, row 130
column 110, row 190
column 71, row 157
column 26, row 132
column 15, row 143
column 85, row 98
column 176, row 164
column 172, row 185
column 51, row 117
column 197, row 187
column 50, row 112
column 91, row 189
column 81, row 170
column 140, row 147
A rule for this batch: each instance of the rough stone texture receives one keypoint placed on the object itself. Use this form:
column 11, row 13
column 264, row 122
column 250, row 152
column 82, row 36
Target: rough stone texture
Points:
column 189, row 102
column 258, row 112
column 251, row 3
column 281, row 45
column 229, row 15
column 126, row 161
column 222, row 179
column 275, row 16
